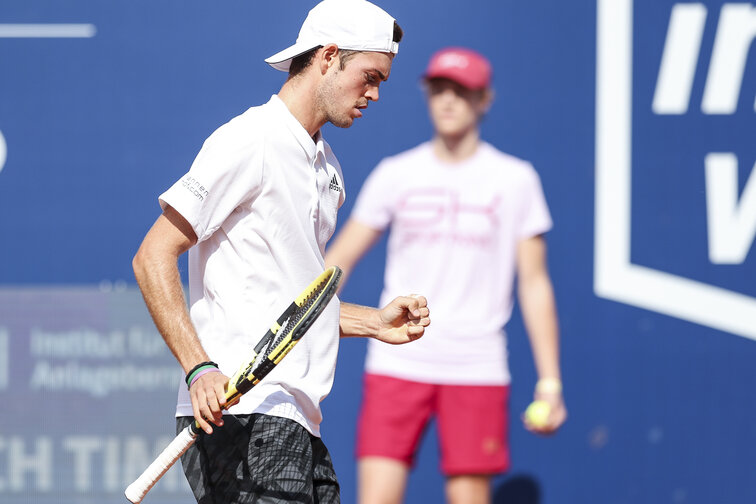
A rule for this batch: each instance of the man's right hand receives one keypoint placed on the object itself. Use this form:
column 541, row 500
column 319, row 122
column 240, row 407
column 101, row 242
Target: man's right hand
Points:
column 208, row 395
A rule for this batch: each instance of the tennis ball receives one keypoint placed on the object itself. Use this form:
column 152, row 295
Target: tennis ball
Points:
column 537, row 413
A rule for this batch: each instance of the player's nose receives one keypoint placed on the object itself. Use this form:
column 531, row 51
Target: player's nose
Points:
column 372, row 93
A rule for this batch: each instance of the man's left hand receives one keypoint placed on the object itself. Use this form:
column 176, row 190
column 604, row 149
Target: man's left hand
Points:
column 403, row 320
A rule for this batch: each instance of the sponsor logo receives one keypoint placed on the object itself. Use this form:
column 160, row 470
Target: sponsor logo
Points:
column 195, row 187
column 334, row 185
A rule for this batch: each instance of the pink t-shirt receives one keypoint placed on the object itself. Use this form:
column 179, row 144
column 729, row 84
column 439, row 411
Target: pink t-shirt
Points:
column 454, row 232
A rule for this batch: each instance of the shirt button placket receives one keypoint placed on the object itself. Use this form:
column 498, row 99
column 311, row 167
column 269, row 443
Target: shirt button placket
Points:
column 315, row 188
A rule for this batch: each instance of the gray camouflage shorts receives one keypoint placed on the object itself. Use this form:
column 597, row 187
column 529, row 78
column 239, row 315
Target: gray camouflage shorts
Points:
column 261, row 459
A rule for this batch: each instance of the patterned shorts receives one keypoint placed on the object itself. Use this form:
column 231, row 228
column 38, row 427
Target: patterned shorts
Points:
column 261, row 459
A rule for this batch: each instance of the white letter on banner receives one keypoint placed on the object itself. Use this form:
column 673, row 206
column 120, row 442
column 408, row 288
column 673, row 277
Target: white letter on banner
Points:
column 39, row 462
column 732, row 224
column 735, row 32
column 82, row 448
column 111, row 465
column 3, row 485
column 678, row 65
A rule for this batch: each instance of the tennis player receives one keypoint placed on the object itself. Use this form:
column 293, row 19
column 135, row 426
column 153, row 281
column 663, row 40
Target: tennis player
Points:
column 465, row 219
column 255, row 212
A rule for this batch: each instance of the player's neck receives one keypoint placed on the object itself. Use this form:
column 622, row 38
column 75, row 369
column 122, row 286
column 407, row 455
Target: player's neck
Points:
column 455, row 148
column 298, row 99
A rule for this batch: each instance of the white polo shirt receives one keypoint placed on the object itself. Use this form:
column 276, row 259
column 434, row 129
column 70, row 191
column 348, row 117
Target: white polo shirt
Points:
column 454, row 234
column 262, row 197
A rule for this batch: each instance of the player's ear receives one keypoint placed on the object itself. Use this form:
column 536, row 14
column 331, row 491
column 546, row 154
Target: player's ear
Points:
column 328, row 57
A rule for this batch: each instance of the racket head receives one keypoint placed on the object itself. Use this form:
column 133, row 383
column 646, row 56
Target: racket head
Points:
column 285, row 332
column 309, row 305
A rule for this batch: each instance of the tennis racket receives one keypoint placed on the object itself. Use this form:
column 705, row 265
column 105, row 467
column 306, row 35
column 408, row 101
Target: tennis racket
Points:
column 277, row 342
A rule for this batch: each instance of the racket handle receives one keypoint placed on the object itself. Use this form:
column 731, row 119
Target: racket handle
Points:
column 139, row 488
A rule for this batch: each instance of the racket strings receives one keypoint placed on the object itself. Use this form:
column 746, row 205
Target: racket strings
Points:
column 293, row 321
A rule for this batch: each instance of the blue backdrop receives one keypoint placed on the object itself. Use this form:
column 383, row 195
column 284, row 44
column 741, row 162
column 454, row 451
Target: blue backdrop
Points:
column 638, row 115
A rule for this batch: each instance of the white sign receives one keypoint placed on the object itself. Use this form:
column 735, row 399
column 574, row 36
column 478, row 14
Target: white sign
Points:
column 730, row 222
column 3, row 151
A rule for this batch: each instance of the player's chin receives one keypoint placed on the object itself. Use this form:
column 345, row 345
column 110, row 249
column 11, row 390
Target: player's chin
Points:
column 346, row 120
column 343, row 123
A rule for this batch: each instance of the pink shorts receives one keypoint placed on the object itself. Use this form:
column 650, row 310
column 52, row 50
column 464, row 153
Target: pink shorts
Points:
column 472, row 423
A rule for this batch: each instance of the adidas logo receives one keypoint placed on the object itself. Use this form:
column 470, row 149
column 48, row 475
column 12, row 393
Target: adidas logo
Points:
column 334, row 185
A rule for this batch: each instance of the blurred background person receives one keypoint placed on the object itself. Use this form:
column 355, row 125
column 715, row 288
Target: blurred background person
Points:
column 466, row 219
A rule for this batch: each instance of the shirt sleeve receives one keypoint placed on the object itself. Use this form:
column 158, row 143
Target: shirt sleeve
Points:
column 374, row 206
column 535, row 218
column 226, row 172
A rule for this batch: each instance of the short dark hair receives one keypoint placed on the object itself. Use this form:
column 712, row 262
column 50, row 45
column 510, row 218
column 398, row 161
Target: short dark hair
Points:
column 299, row 63
column 398, row 32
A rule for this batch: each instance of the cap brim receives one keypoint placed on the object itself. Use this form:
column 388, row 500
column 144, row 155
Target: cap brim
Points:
column 282, row 60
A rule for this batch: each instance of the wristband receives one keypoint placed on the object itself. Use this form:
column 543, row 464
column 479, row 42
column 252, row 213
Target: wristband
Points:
column 549, row 386
column 203, row 371
column 197, row 368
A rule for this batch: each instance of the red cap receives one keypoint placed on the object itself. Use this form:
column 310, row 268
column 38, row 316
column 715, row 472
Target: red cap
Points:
column 463, row 66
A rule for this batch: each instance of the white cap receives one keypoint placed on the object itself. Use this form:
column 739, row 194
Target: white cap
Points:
column 350, row 24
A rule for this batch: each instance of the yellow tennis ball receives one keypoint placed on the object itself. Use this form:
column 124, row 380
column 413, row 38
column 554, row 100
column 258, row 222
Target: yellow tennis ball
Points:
column 538, row 413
